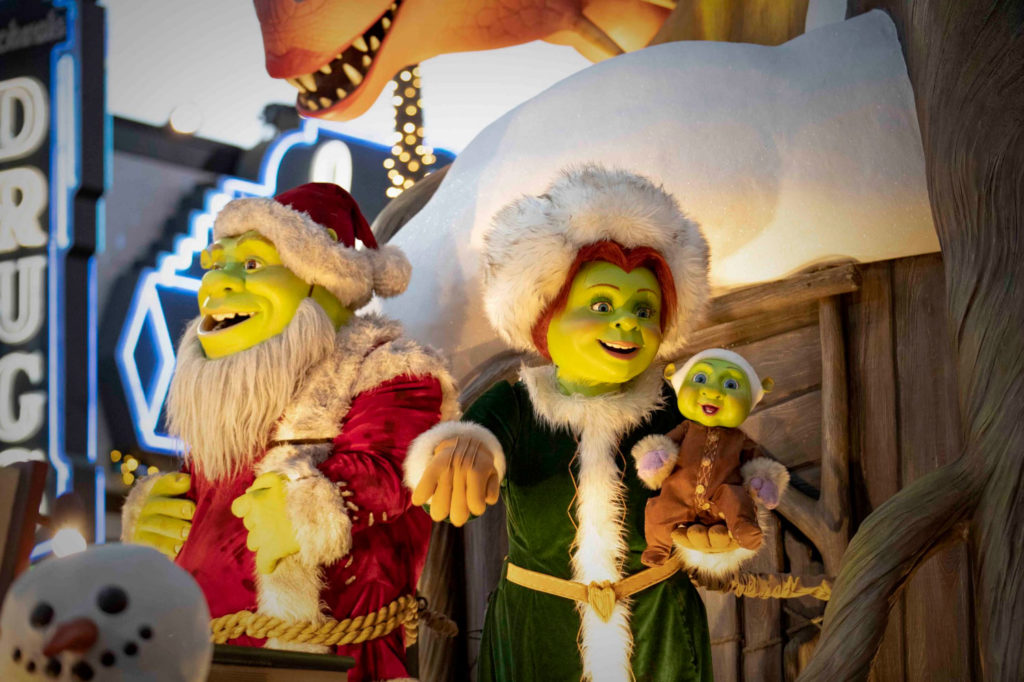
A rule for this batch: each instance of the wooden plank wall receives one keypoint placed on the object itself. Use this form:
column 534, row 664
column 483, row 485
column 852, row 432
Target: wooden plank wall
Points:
column 904, row 424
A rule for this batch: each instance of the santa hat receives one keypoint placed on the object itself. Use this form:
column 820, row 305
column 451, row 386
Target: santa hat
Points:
column 296, row 221
column 534, row 240
column 756, row 389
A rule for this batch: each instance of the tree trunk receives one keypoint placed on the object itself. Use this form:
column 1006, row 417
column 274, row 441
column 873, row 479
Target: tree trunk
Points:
column 966, row 63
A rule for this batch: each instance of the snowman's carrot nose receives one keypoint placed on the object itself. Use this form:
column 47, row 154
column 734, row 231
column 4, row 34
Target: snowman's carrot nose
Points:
column 76, row 635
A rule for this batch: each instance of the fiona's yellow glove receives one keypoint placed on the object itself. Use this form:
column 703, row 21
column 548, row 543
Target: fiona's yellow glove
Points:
column 263, row 511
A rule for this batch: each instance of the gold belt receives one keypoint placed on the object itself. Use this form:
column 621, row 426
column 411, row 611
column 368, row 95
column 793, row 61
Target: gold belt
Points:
column 600, row 595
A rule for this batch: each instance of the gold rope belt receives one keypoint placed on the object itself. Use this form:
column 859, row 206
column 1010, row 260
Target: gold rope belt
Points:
column 601, row 595
column 402, row 611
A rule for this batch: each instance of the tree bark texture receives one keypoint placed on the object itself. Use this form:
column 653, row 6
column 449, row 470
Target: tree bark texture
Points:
column 966, row 63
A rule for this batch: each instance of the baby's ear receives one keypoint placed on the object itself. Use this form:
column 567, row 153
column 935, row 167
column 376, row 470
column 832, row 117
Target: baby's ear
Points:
column 767, row 384
column 670, row 369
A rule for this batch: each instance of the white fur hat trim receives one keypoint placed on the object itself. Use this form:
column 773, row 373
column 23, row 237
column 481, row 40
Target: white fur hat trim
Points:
column 533, row 241
column 353, row 275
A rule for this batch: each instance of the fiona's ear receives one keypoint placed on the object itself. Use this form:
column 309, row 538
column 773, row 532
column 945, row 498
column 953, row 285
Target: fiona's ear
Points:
column 670, row 369
column 767, row 384
column 334, row 235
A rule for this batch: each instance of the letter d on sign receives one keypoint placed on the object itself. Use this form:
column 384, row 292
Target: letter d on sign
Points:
column 28, row 95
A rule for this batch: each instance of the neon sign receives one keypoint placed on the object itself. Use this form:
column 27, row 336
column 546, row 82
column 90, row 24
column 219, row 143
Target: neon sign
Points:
column 48, row 210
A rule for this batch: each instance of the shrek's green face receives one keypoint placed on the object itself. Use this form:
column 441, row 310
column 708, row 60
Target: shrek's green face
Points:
column 247, row 296
column 610, row 328
column 715, row 393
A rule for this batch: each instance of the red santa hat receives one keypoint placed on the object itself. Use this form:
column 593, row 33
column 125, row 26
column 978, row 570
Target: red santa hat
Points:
column 297, row 222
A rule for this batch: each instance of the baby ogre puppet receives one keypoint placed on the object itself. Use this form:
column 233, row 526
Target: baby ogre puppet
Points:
column 715, row 473
column 296, row 414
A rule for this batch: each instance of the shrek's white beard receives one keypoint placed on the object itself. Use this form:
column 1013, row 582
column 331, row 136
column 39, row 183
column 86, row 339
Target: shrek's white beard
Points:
column 224, row 409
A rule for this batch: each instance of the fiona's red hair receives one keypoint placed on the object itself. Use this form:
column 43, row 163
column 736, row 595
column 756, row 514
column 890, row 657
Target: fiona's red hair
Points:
column 616, row 254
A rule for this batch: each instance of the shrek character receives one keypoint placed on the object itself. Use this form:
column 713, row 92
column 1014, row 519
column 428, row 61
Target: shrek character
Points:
column 602, row 276
column 708, row 471
column 296, row 415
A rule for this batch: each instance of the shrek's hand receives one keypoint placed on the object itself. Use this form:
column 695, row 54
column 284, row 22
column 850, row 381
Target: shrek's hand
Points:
column 708, row 539
column 460, row 480
column 165, row 518
column 263, row 511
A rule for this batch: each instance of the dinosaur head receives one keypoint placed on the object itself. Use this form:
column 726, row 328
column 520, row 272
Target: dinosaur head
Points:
column 340, row 54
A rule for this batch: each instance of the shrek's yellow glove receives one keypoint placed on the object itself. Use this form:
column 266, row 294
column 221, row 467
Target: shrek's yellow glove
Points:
column 263, row 511
column 165, row 519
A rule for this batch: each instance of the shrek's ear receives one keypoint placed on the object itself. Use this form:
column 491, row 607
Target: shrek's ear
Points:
column 767, row 384
column 670, row 369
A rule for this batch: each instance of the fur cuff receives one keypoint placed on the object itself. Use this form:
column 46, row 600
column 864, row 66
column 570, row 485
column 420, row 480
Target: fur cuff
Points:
column 421, row 450
column 768, row 469
column 322, row 526
column 654, row 476
column 714, row 565
column 133, row 505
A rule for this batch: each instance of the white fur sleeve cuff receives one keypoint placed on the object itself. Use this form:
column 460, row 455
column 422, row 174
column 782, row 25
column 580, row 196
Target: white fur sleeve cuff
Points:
column 652, row 472
column 322, row 526
column 768, row 469
column 133, row 505
column 421, row 450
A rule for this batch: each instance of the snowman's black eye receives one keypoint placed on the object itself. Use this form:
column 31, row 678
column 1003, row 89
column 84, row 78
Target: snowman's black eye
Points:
column 41, row 615
column 145, row 632
column 112, row 599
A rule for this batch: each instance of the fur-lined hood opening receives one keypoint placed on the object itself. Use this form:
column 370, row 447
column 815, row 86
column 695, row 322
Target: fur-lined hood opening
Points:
column 534, row 240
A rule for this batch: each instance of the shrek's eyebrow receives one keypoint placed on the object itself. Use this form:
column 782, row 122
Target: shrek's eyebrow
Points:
column 253, row 237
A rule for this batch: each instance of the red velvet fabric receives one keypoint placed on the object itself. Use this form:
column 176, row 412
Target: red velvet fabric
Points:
column 387, row 556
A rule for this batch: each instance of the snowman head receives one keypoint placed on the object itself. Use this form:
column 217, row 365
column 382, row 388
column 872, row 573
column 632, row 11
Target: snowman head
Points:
column 111, row 613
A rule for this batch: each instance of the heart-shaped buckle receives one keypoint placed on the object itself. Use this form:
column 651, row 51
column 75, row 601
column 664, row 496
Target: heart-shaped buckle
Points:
column 601, row 596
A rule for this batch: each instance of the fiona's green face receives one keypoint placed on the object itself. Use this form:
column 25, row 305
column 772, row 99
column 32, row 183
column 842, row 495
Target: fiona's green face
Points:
column 247, row 296
column 715, row 393
column 610, row 328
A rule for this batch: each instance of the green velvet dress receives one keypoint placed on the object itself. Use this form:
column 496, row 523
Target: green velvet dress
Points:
column 529, row 635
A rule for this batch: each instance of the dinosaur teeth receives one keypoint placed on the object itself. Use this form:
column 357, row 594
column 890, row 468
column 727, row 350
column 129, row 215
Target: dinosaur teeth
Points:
column 355, row 61
column 353, row 74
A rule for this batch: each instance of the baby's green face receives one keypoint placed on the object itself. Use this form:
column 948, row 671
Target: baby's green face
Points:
column 715, row 393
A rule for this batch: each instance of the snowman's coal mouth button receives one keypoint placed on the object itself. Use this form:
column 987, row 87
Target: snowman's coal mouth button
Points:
column 53, row 668
column 82, row 671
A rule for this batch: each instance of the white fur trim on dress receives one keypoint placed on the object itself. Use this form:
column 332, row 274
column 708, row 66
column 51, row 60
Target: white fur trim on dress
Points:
column 769, row 469
column 756, row 389
column 651, row 443
column 307, row 249
column 533, row 241
column 421, row 450
column 133, row 505
column 600, row 549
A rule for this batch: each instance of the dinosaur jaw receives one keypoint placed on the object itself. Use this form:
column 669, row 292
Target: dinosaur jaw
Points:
column 328, row 90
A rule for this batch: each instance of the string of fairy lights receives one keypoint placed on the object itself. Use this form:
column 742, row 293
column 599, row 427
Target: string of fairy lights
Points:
column 129, row 466
column 410, row 158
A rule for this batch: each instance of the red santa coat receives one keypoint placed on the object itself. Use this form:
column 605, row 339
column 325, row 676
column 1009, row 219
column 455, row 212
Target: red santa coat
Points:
column 340, row 444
